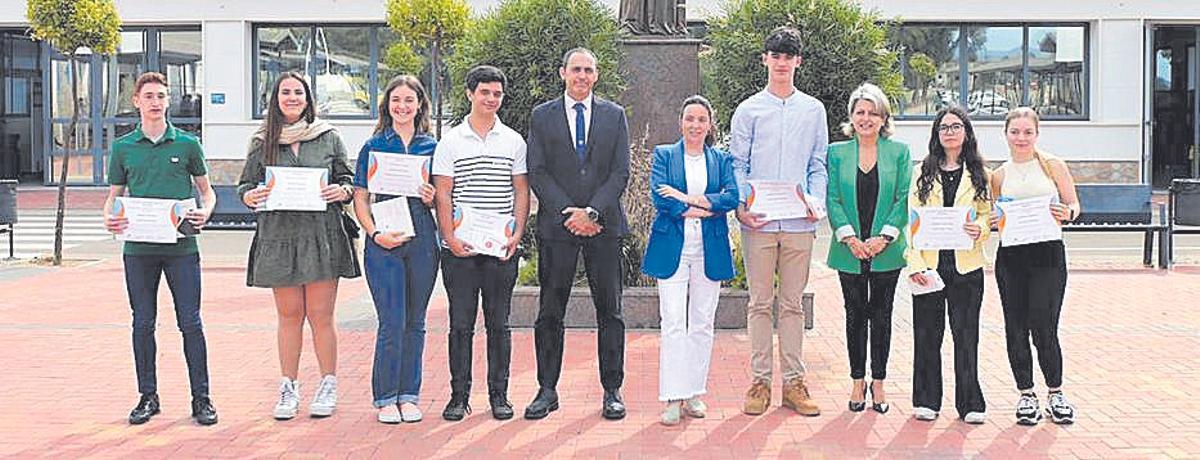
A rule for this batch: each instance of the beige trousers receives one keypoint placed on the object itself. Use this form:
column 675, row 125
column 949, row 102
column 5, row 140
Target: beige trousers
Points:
column 789, row 255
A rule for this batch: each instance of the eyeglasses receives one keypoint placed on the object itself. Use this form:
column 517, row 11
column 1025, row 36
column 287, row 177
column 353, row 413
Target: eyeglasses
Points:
column 953, row 128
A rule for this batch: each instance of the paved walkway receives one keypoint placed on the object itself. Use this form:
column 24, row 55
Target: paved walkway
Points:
column 1129, row 337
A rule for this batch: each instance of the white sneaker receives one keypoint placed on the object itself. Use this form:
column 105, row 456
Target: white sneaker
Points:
column 389, row 414
column 289, row 399
column 975, row 418
column 671, row 414
column 325, row 400
column 410, row 413
column 695, row 408
column 924, row 414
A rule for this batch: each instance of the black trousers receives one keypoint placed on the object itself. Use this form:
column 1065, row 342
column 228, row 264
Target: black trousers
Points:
column 466, row 278
column 868, row 300
column 962, row 298
column 556, row 274
column 1032, row 279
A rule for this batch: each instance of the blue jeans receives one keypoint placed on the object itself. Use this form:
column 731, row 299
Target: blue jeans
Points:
column 401, row 282
column 142, row 274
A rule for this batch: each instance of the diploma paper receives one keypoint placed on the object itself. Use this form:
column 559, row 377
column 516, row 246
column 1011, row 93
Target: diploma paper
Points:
column 941, row 228
column 776, row 200
column 295, row 189
column 397, row 174
column 1027, row 221
column 152, row 220
column 486, row 232
column 393, row 216
column 936, row 283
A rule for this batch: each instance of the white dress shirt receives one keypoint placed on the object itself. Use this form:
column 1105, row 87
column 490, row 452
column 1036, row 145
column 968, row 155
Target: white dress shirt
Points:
column 587, row 115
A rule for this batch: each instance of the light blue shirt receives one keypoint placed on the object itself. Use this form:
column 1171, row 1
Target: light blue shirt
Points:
column 781, row 139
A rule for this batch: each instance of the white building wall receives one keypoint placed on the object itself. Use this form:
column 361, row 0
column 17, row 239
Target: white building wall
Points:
column 1116, row 67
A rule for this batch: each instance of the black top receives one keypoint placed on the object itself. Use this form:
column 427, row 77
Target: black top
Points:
column 867, row 189
column 950, row 181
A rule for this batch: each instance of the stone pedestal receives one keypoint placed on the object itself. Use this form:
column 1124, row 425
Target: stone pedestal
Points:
column 661, row 73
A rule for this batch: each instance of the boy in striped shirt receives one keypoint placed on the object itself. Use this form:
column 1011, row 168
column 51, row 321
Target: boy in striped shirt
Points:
column 480, row 165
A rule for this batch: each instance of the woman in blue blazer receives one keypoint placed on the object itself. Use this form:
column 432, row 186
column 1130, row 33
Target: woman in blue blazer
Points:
column 693, row 188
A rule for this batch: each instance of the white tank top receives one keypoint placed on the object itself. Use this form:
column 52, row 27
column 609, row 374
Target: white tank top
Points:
column 1026, row 180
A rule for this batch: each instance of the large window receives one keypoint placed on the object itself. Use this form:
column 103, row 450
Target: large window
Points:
column 106, row 86
column 341, row 62
column 989, row 69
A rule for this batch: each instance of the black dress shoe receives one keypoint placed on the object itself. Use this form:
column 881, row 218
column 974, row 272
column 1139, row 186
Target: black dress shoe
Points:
column 457, row 408
column 147, row 407
column 614, row 408
column 203, row 412
column 543, row 404
column 501, row 408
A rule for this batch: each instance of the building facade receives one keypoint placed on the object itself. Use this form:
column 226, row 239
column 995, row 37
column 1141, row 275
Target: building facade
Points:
column 1115, row 81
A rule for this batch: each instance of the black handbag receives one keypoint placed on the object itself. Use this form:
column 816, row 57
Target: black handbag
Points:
column 351, row 226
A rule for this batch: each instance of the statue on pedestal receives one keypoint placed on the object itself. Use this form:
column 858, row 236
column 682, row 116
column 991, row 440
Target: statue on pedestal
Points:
column 654, row 17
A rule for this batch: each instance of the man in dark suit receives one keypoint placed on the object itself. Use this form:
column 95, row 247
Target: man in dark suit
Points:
column 578, row 154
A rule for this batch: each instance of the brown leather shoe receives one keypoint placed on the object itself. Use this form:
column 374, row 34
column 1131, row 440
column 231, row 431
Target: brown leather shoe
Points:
column 795, row 397
column 757, row 398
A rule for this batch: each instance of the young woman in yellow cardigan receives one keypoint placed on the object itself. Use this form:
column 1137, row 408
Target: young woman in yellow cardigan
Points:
column 951, row 175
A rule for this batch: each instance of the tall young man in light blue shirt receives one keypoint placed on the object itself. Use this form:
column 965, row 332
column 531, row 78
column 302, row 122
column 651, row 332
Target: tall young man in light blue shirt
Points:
column 779, row 134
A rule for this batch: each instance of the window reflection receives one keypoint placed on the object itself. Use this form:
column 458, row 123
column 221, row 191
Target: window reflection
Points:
column 929, row 59
column 1056, row 79
column 182, row 63
column 280, row 49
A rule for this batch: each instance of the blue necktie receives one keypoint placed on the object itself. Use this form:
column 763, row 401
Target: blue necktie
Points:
column 580, row 135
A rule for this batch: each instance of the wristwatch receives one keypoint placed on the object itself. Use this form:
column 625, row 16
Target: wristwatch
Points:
column 592, row 214
column 888, row 238
column 374, row 234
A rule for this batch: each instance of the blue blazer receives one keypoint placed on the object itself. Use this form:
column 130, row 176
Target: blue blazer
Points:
column 666, row 237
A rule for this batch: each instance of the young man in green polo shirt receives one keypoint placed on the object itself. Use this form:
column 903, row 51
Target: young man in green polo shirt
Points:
column 157, row 160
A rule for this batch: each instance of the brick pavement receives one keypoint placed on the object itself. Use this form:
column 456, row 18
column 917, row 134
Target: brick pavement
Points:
column 1129, row 337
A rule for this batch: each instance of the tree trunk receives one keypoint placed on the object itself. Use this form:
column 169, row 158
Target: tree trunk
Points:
column 435, row 77
column 68, row 147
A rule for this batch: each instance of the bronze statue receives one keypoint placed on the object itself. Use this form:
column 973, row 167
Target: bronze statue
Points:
column 654, row 17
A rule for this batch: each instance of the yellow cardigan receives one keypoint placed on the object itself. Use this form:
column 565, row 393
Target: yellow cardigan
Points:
column 966, row 260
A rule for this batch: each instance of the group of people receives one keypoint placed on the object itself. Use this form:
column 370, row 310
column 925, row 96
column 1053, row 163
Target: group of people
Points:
column 575, row 158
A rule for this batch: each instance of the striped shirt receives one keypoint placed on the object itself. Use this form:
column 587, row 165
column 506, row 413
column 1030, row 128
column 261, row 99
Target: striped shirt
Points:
column 482, row 168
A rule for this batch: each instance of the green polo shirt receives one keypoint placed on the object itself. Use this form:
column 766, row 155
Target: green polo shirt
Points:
column 162, row 169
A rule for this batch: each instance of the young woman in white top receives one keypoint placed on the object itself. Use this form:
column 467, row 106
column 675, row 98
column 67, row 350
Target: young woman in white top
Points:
column 1033, row 277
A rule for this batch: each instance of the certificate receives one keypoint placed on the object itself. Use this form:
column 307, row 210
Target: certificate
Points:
column 935, row 283
column 1027, row 221
column 941, row 228
column 486, row 232
column 295, row 189
column 393, row 216
column 152, row 220
column 776, row 200
column 397, row 174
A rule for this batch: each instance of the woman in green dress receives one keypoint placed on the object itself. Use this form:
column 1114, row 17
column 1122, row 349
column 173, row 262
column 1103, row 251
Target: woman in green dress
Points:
column 300, row 254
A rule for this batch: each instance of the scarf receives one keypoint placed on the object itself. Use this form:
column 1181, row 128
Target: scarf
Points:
column 300, row 131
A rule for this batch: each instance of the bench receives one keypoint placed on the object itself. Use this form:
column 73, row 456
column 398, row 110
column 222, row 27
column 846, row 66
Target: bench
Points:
column 230, row 213
column 1123, row 208
column 1183, row 209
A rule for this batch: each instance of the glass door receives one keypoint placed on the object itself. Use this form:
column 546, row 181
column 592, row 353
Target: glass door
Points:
column 1175, row 132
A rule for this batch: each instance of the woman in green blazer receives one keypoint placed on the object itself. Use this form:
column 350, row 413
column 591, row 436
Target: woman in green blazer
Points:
column 869, row 178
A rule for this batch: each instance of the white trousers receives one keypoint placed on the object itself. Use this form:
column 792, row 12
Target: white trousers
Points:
column 688, row 306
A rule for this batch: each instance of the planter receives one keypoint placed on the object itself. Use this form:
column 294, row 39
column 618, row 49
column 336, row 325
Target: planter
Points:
column 640, row 307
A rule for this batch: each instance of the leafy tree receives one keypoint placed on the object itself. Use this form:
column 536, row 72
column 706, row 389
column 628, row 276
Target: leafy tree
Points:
column 526, row 39
column 844, row 46
column 437, row 24
column 70, row 26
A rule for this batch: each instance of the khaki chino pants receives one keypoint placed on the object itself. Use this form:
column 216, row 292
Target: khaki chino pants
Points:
column 789, row 254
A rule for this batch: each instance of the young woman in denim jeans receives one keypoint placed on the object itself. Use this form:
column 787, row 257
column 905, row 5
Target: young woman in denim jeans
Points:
column 401, row 269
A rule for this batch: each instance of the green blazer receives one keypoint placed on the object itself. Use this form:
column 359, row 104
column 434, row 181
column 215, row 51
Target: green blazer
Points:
column 891, row 207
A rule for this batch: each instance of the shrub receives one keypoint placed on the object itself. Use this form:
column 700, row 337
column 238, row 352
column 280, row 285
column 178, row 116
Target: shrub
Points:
column 844, row 46
column 526, row 39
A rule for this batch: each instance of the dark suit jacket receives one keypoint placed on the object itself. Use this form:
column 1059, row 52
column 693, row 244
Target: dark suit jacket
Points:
column 560, row 180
